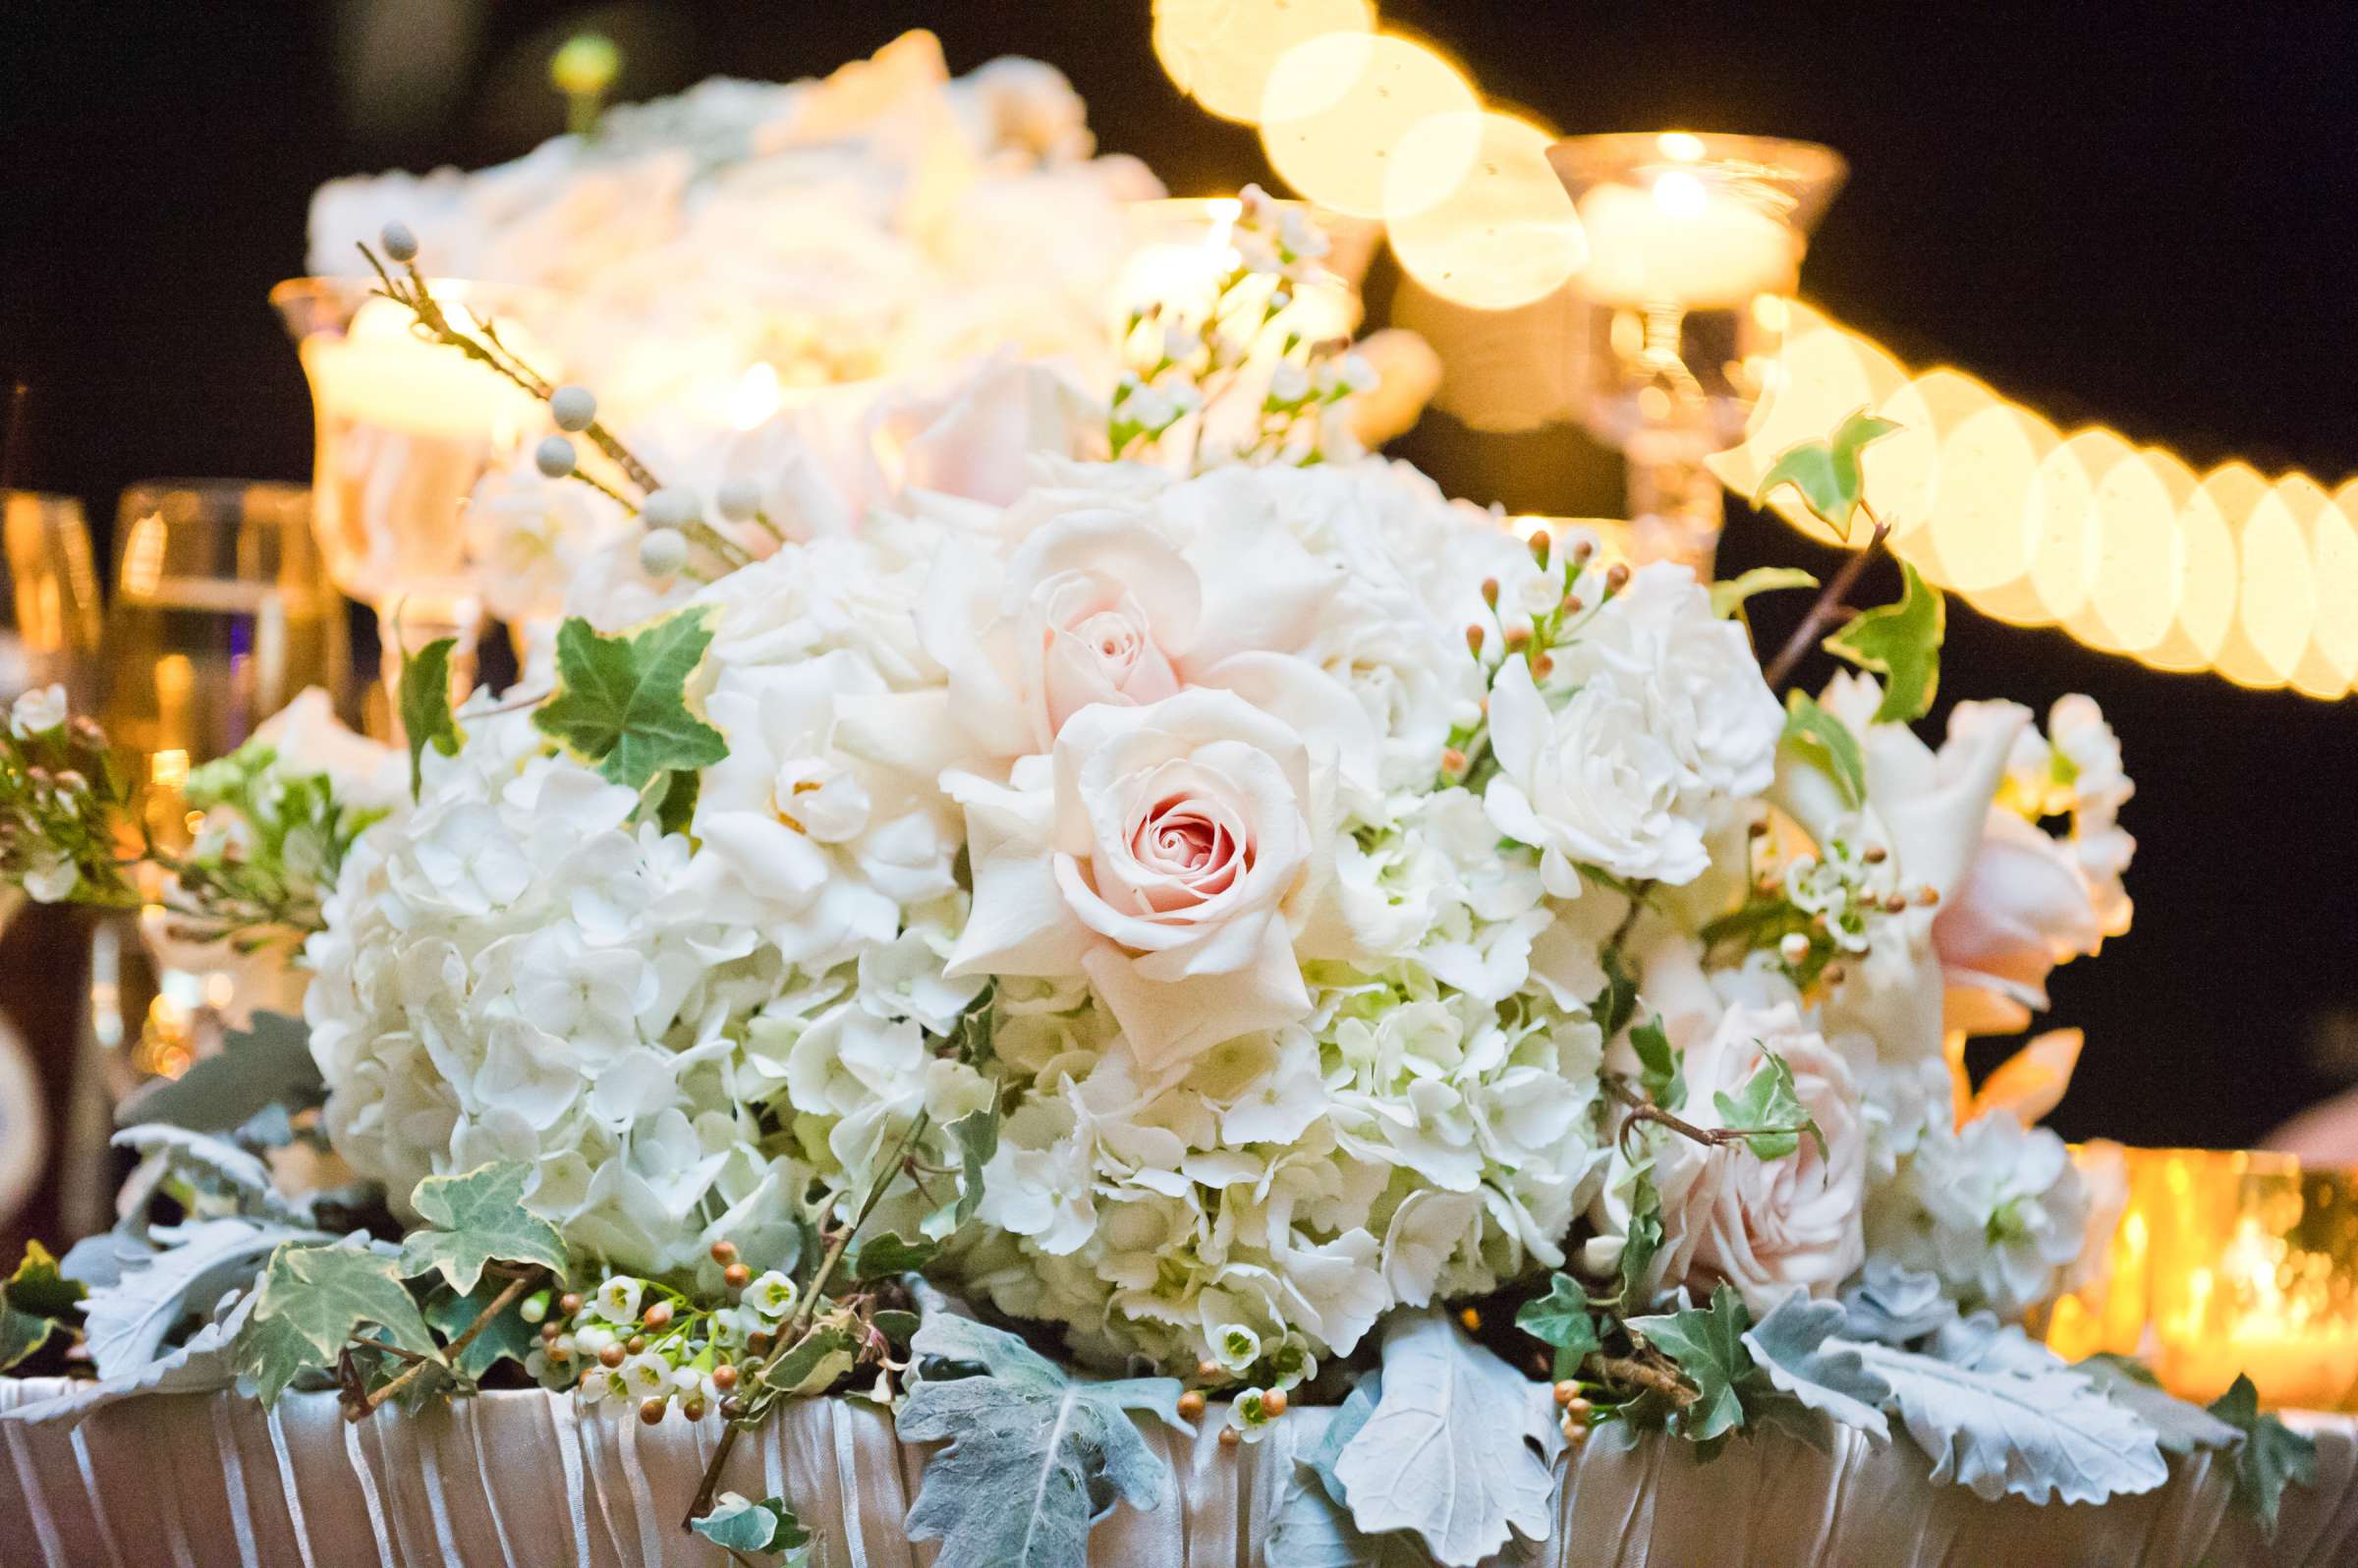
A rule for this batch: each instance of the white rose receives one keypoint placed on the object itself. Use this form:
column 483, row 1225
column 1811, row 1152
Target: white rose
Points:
column 1703, row 689
column 1765, row 1227
column 1588, row 783
column 1168, row 857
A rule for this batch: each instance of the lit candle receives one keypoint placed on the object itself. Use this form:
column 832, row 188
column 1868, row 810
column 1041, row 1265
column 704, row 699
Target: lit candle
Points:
column 1682, row 240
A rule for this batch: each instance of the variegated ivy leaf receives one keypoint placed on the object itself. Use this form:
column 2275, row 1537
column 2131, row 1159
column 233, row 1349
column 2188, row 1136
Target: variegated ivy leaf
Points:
column 1771, row 1103
column 767, row 1527
column 1826, row 474
column 1708, row 1343
column 1561, row 1318
column 32, row 1301
column 125, row 1324
column 310, row 1301
column 622, row 702
column 1457, row 1449
column 1823, row 741
column 1034, row 1457
column 1901, row 643
column 814, row 1363
column 477, row 1218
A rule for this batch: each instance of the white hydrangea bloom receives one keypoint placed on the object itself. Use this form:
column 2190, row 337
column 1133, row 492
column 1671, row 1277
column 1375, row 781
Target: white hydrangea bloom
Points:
column 1995, row 1209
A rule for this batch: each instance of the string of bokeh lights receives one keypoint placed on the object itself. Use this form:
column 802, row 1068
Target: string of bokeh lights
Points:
column 2127, row 549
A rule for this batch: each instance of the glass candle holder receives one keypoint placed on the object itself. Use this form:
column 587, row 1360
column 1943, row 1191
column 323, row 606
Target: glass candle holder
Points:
column 2228, row 1262
column 403, row 429
column 1692, row 239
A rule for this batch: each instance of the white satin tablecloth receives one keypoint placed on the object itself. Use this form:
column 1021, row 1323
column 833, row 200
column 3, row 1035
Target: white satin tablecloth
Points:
column 524, row 1481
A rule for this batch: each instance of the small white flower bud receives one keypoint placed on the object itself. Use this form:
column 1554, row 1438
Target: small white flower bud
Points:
column 738, row 500
column 662, row 552
column 571, row 406
column 671, row 507
column 399, row 242
column 1793, row 948
column 554, row 457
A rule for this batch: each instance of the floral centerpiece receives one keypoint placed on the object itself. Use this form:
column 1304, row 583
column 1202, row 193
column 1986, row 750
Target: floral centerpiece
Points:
column 1218, row 920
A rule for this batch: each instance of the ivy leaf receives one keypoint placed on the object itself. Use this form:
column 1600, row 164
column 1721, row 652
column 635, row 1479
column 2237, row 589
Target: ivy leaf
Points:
column 1561, row 1318
column 1825, row 741
column 426, row 716
column 1709, row 1347
column 1442, row 1394
column 1034, row 1457
column 887, row 1256
column 769, row 1527
column 1643, row 1237
column 895, row 1325
column 2010, row 1423
column 976, row 1135
column 1771, row 1102
column 1658, row 1065
column 311, row 1300
column 1826, row 474
column 678, row 808
column 1796, row 1347
column 815, row 1362
column 477, row 1218
column 267, row 1063
column 1729, row 594
column 506, row 1338
column 2272, row 1457
column 31, row 1300
column 1901, row 643
column 1617, row 1003
column 622, row 702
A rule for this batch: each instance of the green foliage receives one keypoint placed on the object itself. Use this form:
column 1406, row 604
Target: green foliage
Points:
column 1034, row 1457
column 2180, row 1428
column 1709, row 1347
column 889, row 1256
column 311, row 1302
column 1658, row 1066
column 1617, row 1003
column 767, row 1527
column 1561, row 1318
column 1826, row 474
column 1770, row 1108
column 33, row 1300
column 1643, row 1237
column 622, row 702
column 506, row 1338
column 267, row 1063
column 2272, row 1457
column 1823, row 740
column 1729, row 594
column 426, row 716
column 478, row 1219
column 976, row 1135
column 1901, row 643
column 814, row 1363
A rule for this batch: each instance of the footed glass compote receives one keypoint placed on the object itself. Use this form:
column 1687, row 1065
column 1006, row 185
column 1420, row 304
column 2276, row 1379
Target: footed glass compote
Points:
column 1694, row 244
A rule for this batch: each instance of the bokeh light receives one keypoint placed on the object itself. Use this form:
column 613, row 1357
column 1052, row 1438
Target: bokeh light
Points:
column 1505, row 235
column 1337, row 107
column 1219, row 52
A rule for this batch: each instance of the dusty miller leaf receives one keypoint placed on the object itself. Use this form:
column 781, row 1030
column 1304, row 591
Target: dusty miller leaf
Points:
column 1708, row 1343
column 622, row 702
column 1826, row 474
column 1034, row 1458
column 1894, row 1305
column 1796, row 1346
column 1731, row 594
column 1457, row 1449
column 426, row 716
column 1901, row 643
column 2272, row 1457
column 2180, row 1428
column 125, row 1324
column 310, row 1301
column 477, row 1218
column 1823, row 741
column 204, row 1364
column 267, row 1063
column 2009, row 1426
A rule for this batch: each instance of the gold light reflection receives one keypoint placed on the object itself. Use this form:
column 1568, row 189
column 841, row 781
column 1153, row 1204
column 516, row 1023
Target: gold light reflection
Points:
column 1504, row 235
column 1336, row 106
column 1219, row 52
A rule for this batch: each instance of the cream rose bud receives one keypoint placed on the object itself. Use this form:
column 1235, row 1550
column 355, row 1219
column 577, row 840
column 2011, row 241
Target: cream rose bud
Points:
column 1589, row 783
column 1765, row 1227
column 1167, row 855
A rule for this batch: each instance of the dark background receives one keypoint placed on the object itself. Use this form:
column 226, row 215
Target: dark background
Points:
column 2145, row 217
